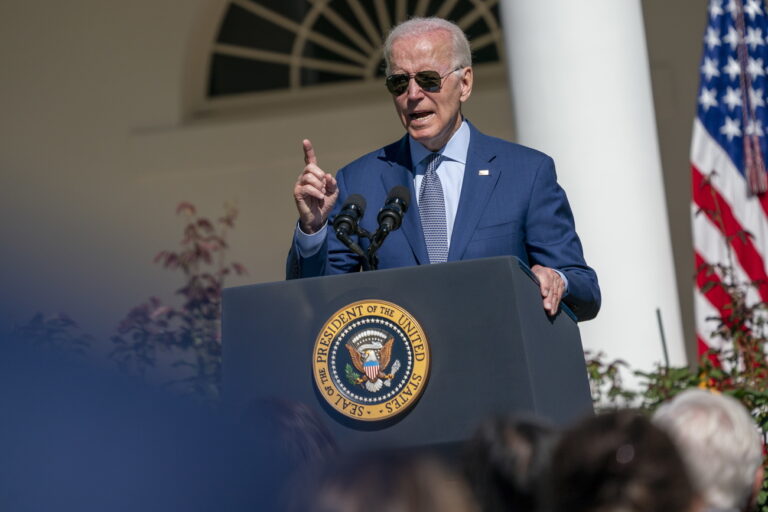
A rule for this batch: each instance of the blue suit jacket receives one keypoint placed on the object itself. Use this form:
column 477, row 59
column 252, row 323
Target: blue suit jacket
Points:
column 516, row 209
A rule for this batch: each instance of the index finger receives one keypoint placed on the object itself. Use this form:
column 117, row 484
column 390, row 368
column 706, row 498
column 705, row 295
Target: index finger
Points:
column 309, row 152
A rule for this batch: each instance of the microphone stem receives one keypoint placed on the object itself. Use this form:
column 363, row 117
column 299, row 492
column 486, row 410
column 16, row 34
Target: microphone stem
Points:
column 341, row 235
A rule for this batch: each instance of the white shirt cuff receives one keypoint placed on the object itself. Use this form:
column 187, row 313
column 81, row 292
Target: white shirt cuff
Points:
column 565, row 280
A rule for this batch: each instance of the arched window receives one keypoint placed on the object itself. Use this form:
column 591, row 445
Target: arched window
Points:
column 269, row 45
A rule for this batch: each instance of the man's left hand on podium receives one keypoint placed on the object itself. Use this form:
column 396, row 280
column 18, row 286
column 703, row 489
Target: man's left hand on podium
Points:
column 551, row 286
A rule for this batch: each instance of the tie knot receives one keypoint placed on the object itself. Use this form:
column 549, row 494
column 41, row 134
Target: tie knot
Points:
column 431, row 161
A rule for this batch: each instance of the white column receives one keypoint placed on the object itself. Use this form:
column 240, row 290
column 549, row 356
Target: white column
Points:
column 581, row 92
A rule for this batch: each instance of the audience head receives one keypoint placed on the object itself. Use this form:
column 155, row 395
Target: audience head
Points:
column 507, row 461
column 385, row 482
column 618, row 462
column 296, row 430
column 720, row 444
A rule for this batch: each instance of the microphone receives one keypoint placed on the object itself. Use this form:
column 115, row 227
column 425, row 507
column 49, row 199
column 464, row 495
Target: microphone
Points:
column 390, row 218
column 391, row 215
column 346, row 222
column 352, row 211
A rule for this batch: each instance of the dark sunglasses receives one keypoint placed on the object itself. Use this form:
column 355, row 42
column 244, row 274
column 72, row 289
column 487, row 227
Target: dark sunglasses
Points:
column 430, row 81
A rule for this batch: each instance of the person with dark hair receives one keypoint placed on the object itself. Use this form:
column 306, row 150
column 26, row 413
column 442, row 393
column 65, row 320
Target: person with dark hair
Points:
column 298, row 431
column 619, row 462
column 506, row 462
column 289, row 437
column 383, row 481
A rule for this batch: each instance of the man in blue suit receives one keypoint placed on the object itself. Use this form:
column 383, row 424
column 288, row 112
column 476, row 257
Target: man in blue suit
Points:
column 477, row 196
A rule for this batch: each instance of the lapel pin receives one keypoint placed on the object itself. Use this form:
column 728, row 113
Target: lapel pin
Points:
column 483, row 172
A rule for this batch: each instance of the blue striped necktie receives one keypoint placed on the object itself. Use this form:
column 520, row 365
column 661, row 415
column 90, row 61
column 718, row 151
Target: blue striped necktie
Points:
column 432, row 211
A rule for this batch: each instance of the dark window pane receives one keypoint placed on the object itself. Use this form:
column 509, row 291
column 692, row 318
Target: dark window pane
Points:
column 315, row 51
column 461, row 9
column 233, row 75
column 310, row 77
column 486, row 54
column 292, row 9
column 243, row 28
column 325, row 27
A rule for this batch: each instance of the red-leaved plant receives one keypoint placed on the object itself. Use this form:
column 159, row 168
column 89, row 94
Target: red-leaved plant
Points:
column 190, row 332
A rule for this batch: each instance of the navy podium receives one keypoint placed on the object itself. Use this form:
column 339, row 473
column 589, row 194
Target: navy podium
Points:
column 493, row 348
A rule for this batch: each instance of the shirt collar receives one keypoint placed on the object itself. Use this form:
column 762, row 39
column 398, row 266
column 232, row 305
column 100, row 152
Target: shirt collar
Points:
column 456, row 149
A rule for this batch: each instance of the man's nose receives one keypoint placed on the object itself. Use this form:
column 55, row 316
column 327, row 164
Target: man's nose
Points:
column 414, row 90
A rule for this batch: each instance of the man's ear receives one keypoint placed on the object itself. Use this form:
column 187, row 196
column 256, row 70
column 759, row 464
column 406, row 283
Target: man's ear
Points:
column 467, row 78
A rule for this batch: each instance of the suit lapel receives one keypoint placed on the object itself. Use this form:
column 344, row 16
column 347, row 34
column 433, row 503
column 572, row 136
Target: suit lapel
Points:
column 400, row 173
column 475, row 192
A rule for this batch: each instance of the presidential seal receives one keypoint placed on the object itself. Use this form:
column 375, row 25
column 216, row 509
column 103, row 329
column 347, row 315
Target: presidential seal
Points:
column 371, row 360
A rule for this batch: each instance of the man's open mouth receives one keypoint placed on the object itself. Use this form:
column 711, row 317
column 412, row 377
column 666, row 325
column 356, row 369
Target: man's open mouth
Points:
column 420, row 114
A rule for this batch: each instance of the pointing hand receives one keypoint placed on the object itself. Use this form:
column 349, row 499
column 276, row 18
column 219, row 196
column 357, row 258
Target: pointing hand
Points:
column 315, row 192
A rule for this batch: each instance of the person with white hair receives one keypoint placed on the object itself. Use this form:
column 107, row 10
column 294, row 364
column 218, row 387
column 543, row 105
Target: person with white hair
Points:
column 720, row 444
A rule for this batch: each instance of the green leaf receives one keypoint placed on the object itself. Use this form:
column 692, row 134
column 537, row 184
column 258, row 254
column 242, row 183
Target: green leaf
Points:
column 351, row 374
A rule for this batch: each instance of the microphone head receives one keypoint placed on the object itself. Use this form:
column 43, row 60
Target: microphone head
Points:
column 357, row 201
column 351, row 212
column 401, row 194
column 391, row 216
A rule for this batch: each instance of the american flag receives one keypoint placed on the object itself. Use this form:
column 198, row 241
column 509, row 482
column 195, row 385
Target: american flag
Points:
column 728, row 151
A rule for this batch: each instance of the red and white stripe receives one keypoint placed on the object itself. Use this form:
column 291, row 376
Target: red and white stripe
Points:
column 372, row 371
column 717, row 186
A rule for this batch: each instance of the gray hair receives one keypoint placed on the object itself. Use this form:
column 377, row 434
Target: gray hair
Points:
column 719, row 442
column 462, row 54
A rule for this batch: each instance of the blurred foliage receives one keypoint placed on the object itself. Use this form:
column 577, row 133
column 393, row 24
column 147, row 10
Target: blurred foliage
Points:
column 190, row 331
column 57, row 332
column 605, row 382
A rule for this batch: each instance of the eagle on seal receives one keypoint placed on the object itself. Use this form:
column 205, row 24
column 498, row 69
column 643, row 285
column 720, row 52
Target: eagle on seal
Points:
column 370, row 359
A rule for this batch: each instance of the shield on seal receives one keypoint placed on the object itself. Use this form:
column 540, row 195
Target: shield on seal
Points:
column 371, row 370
